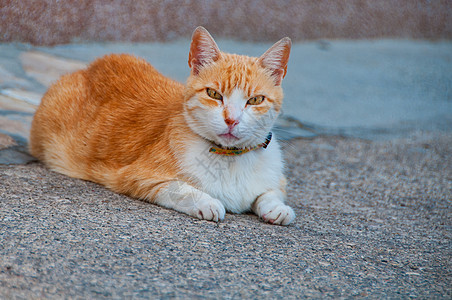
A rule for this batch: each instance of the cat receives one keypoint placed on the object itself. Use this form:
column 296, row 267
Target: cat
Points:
column 201, row 149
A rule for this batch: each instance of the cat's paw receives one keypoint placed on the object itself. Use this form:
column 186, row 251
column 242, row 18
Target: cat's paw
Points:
column 210, row 209
column 277, row 213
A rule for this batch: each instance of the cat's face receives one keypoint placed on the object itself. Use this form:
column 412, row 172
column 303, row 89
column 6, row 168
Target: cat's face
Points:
column 233, row 100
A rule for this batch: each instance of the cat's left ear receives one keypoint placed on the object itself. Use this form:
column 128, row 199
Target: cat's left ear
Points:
column 203, row 50
column 276, row 58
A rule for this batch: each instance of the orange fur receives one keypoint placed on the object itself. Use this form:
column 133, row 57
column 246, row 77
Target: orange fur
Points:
column 108, row 122
column 122, row 124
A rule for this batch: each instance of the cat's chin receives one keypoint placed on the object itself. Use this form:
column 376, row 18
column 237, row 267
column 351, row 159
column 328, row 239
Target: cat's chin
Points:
column 228, row 139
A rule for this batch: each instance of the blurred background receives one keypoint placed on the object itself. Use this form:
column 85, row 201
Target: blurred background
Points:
column 361, row 68
column 50, row 22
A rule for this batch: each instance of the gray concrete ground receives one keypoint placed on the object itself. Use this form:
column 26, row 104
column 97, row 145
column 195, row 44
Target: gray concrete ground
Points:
column 373, row 221
column 373, row 214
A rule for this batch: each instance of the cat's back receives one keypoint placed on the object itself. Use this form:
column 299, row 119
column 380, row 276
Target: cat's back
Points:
column 115, row 80
column 96, row 109
column 123, row 77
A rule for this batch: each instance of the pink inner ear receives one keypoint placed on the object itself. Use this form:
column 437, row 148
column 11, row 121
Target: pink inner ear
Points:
column 276, row 58
column 203, row 50
column 279, row 75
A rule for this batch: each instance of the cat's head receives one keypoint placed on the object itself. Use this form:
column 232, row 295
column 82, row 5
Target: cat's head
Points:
column 233, row 100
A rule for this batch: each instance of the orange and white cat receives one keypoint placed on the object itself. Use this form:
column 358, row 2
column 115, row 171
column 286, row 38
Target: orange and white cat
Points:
column 202, row 149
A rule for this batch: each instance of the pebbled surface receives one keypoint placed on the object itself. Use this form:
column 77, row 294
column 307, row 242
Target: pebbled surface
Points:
column 373, row 220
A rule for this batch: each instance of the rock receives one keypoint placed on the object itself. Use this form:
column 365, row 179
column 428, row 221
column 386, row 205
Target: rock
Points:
column 12, row 104
column 6, row 141
column 46, row 68
column 8, row 79
column 15, row 156
column 15, row 121
column 27, row 96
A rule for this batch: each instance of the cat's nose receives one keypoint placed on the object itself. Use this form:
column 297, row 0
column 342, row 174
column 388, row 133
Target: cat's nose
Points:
column 231, row 122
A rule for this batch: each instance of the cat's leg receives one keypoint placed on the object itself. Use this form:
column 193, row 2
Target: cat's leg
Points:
column 271, row 208
column 185, row 198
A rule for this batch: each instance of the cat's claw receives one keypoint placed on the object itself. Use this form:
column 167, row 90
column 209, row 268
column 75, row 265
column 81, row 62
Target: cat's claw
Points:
column 210, row 209
column 279, row 215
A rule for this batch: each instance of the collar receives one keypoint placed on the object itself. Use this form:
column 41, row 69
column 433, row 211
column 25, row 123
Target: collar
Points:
column 233, row 151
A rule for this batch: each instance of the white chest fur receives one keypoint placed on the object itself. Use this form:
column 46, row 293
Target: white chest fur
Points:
column 234, row 180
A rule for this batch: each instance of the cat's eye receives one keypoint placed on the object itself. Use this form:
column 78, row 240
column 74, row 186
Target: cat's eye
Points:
column 214, row 94
column 256, row 100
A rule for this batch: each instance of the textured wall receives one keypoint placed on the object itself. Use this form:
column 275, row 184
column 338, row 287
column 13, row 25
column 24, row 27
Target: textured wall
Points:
column 49, row 22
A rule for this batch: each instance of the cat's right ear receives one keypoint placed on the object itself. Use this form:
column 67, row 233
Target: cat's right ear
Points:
column 203, row 50
column 276, row 58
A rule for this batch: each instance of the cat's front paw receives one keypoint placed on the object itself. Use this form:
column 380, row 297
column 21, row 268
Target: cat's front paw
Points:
column 277, row 214
column 210, row 209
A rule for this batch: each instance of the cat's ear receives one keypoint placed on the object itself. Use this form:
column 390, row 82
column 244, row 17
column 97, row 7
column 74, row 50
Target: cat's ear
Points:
column 203, row 49
column 276, row 58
